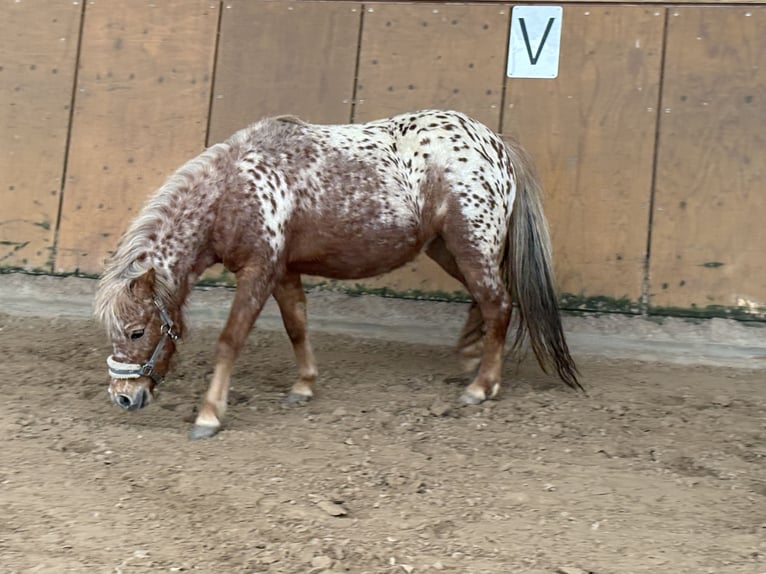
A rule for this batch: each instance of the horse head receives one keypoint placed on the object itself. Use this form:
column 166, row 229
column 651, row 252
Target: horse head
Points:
column 144, row 329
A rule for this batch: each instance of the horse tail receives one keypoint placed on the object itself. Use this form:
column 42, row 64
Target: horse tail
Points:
column 528, row 272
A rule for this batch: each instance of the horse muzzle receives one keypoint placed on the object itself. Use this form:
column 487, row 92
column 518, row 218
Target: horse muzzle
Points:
column 130, row 395
column 133, row 385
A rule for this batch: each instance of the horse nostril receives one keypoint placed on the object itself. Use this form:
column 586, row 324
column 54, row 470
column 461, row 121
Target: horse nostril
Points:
column 123, row 401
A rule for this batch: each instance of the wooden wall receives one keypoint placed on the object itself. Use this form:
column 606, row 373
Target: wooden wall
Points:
column 277, row 58
column 650, row 142
column 709, row 225
column 38, row 59
column 592, row 132
column 141, row 105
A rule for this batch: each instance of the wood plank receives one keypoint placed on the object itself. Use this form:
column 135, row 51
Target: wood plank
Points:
column 38, row 52
column 709, row 236
column 141, row 110
column 432, row 56
column 591, row 132
column 599, row 2
column 278, row 58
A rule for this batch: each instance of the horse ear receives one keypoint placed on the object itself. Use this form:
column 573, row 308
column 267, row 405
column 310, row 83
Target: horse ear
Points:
column 143, row 286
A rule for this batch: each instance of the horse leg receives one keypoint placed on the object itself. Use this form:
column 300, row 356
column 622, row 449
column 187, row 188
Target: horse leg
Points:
column 292, row 305
column 494, row 302
column 482, row 277
column 496, row 312
column 253, row 288
column 470, row 343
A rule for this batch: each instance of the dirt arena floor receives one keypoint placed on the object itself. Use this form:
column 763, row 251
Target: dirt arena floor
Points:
column 661, row 469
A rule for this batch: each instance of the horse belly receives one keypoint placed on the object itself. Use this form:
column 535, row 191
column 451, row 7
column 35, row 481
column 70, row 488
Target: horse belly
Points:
column 355, row 255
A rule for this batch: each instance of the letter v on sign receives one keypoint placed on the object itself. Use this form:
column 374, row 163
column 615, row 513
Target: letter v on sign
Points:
column 535, row 42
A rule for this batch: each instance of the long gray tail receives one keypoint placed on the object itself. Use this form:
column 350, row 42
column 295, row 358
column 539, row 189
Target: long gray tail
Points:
column 528, row 271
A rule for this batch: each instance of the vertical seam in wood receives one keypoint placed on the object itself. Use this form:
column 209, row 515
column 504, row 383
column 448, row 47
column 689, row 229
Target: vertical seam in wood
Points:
column 644, row 303
column 357, row 63
column 211, row 98
column 505, row 68
column 68, row 142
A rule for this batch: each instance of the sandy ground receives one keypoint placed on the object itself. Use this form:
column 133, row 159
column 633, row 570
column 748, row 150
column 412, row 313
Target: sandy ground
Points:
column 661, row 469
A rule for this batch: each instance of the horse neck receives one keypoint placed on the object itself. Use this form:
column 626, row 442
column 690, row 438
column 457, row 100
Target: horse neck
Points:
column 183, row 270
column 175, row 280
column 181, row 239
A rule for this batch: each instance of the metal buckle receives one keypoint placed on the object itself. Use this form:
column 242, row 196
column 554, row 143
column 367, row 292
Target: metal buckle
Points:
column 167, row 329
column 167, row 322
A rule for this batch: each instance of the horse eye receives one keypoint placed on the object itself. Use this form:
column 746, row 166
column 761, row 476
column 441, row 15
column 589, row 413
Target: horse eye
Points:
column 137, row 334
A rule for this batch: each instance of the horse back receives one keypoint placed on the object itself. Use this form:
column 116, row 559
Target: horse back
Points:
column 360, row 199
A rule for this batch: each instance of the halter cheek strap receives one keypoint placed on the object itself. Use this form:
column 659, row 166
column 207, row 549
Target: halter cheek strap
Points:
column 119, row 370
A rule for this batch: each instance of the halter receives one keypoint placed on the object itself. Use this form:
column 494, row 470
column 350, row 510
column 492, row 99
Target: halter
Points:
column 118, row 370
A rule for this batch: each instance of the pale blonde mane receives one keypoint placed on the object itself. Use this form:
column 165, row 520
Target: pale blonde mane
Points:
column 135, row 253
column 289, row 119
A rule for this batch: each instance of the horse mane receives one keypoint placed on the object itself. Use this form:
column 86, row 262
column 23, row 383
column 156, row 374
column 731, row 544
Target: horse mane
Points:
column 129, row 262
column 136, row 254
column 287, row 119
column 136, row 251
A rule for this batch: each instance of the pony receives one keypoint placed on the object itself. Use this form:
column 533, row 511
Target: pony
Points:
column 284, row 197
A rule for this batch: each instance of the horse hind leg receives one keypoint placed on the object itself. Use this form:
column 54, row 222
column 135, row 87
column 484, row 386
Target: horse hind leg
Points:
column 496, row 313
column 292, row 305
column 471, row 341
column 481, row 274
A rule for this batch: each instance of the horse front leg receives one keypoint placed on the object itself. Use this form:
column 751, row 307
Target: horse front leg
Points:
column 253, row 288
column 292, row 305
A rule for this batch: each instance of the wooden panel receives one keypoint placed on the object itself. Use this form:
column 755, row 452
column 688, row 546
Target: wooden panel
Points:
column 650, row 2
column 38, row 51
column 284, row 58
column 709, row 235
column 432, row 56
column 141, row 110
column 591, row 132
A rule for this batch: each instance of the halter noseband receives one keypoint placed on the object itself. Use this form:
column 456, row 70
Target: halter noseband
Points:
column 118, row 370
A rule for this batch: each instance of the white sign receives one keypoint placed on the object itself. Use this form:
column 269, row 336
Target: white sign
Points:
column 535, row 42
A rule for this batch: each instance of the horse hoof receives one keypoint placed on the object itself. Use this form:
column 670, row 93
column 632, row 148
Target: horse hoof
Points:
column 470, row 399
column 199, row 432
column 297, row 398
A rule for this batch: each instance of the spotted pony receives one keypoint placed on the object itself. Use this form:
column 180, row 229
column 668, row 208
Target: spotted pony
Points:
column 283, row 198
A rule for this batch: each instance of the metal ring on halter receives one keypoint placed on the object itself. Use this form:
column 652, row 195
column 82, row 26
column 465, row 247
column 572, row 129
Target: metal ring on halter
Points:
column 167, row 322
